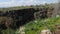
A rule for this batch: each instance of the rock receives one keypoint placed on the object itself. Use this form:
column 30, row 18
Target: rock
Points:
column 46, row 32
column 35, row 21
column 22, row 30
column 57, row 16
column 57, row 32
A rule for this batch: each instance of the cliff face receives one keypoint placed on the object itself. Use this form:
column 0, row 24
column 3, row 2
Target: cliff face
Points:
column 56, row 9
column 23, row 16
column 19, row 17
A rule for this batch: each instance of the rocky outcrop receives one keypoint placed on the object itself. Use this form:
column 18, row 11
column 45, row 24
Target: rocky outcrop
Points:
column 22, row 16
column 19, row 17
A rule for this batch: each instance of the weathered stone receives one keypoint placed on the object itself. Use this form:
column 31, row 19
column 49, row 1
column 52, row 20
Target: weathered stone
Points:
column 46, row 32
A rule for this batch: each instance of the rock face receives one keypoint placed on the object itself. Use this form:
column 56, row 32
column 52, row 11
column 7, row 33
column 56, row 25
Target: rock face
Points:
column 57, row 30
column 19, row 17
column 5, row 22
column 57, row 9
column 22, row 16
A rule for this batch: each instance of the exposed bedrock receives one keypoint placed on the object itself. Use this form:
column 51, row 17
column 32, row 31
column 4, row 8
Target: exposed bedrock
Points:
column 21, row 17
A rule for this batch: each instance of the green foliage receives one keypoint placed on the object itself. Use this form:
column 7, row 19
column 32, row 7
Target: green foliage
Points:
column 49, row 23
column 9, row 31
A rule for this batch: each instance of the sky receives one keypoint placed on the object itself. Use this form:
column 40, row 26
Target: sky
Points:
column 11, row 3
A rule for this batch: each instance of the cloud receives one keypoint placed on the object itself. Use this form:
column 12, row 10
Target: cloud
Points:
column 7, row 4
column 11, row 3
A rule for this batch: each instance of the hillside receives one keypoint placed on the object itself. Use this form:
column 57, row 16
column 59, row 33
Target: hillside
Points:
column 32, row 18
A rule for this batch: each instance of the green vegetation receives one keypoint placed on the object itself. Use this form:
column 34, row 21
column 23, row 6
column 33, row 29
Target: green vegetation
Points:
column 49, row 23
column 9, row 31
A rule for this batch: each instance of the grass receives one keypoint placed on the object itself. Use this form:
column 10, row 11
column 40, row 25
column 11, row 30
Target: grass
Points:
column 48, row 23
